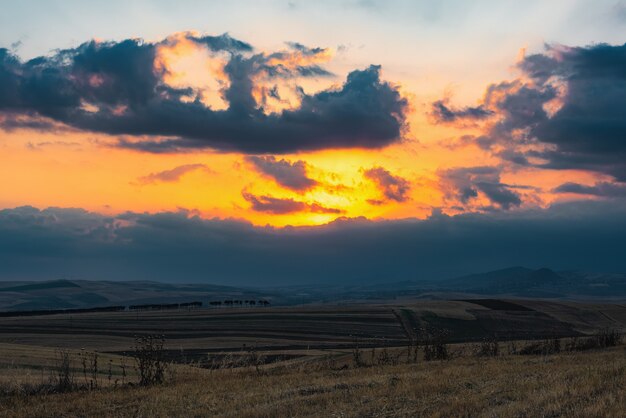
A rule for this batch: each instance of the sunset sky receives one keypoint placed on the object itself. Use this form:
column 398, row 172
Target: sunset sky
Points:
column 157, row 139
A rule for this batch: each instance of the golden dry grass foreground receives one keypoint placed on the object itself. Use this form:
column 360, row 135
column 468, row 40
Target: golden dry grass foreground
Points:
column 585, row 384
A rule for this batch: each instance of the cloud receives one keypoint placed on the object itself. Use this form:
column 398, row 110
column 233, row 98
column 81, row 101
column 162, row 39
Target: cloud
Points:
column 589, row 130
column 392, row 187
column 173, row 175
column 289, row 175
column 277, row 206
column 10, row 122
column 181, row 247
column 602, row 189
column 38, row 145
column 117, row 88
column 565, row 112
column 444, row 113
column 222, row 42
column 466, row 183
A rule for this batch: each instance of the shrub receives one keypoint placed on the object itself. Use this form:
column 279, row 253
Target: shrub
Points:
column 608, row 338
column 384, row 358
column 545, row 347
column 89, row 361
column 149, row 358
column 489, row 347
column 412, row 350
column 603, row 339
column 254, row 358
column 64, row 378
column 435, row 347
column 357, row 356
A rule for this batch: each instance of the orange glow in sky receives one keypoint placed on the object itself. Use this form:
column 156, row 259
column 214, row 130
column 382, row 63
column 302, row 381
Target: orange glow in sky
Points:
column 70, row 168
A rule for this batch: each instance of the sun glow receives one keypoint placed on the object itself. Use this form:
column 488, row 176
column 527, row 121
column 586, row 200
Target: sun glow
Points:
column 184, row 64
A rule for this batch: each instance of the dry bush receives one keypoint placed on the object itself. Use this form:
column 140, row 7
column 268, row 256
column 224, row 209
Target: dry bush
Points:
column 149, row 359
column 89, row 362
column 605, row 338
column 385, row 358
column 64, row 377
column 489, row 347
column 544, row 347
column 357, row 356
column 435, row 346
column 412, row 350
column 254, row 359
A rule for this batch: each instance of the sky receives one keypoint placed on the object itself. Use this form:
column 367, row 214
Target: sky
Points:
column 262, row 142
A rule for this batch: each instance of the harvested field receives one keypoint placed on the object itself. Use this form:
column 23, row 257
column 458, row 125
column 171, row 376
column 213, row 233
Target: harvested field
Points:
column 587, row 384
column 305, row 330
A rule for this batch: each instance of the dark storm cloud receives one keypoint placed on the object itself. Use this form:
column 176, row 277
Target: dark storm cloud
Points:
column 442, row 112
column 291, row 175
column 590, row 128
column 521, row 107
column 222, row 42
column 392, row 187
column 305, row 49
column 567, row 112
column 72, row 243
column 173, row 175
column 572, row 102
column 602, row 189
column 10, row 122
column 278, row 206
column 305, row 70
column 465, row 183
column 115, row 88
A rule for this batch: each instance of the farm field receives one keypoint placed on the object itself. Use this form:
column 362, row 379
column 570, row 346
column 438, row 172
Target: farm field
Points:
column 320, row 326
column 323, row 360
column 589, row 384
column 305, row 332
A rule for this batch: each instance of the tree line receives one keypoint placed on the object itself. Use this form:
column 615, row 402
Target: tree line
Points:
column 118, row 308
column 261, row 302
column 142, row 307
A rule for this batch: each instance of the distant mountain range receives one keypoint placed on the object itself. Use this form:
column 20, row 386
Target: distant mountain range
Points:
column 514, row 282
column 540, row 283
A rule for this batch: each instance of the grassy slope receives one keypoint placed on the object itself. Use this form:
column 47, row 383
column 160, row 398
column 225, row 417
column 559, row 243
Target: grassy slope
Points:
column 581, row 385
column 33, row 364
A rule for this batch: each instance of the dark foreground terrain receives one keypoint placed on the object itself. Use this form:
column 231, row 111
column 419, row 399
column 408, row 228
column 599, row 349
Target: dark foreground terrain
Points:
column 478, row 357
column 572, row 384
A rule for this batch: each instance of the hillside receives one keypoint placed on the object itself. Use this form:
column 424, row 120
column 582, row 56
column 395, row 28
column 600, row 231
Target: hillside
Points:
column 350, row 360
column 64, row 294
column 540, row 283
column 303, row 330
column 514, row 282
column 589, row 384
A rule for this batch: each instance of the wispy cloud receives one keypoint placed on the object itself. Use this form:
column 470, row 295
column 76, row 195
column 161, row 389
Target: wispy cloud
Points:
column 281, row 206
column 291, row 175
column 392, row 187
column 173, row 175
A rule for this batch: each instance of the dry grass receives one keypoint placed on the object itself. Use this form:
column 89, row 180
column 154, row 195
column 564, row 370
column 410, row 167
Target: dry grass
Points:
column 585, row 384
column 31, row 365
